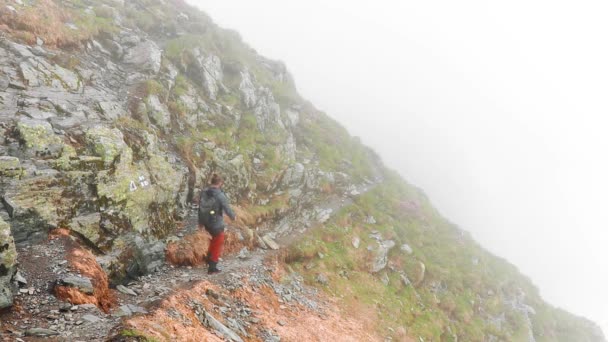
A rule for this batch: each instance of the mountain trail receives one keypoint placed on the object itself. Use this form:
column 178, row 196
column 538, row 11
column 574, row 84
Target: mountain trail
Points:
column 248, row 278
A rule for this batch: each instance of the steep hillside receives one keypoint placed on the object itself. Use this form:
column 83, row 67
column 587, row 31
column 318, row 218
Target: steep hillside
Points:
column 115, row 113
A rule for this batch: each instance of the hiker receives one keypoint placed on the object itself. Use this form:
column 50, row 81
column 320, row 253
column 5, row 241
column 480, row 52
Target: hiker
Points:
column 213, row 203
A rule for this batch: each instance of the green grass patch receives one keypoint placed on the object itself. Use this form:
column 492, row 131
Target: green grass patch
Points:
column 137, row 335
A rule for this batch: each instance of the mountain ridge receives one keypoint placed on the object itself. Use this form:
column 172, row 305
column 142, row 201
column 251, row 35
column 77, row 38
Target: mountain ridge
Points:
column 116, row 112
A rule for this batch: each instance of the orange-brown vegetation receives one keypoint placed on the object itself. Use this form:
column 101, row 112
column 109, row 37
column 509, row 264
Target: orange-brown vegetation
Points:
column 162, row 324
column 189, row 251
column 244, row 218
column 84, row 262
column 45, row 20
column 327, row 188
column 235, row 241
column 300, row 323
column 303, row 324
column 74, row 296
column 55, row 233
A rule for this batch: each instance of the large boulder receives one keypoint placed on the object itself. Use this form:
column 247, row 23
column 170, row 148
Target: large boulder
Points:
column 88, row 227
column 146, row 56
column 8, row 264
column 381, row 255
column 125, row 192
column 143, row 194
column 417, row 273
column 35, row 206
column 83, row 284
column 134, row 257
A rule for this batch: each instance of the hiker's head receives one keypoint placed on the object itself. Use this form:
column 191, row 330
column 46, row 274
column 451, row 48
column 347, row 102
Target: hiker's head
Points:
column 217, row 180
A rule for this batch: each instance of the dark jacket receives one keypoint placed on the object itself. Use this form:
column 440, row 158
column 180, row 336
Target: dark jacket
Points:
column 218, row 226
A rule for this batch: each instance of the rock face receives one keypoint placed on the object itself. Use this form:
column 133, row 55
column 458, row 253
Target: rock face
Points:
column 261, row 101
column 38, row 71
column 157, row 112
column 145, row 56
column 381, row 258
column 65, row 163
column 34, row 205
column 206, row 70
column 38, row 138
column 8, row 263
column 247, row 89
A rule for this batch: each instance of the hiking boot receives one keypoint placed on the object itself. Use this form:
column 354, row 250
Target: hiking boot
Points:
column 214, row 271
column 213, row 268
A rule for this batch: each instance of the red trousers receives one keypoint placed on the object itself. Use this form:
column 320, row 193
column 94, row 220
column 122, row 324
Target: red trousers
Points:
column 215, row 247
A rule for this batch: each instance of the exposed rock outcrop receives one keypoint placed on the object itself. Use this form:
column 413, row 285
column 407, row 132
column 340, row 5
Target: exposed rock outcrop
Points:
column 8, row 264
column 381, row 258
column 145, row 56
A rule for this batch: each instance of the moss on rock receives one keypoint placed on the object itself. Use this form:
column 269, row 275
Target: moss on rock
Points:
column 104, row 142
column 38, row 138
column 88, row 226
column 8, row 262
column 64, row 161
column 10, row 167
column 36, row 205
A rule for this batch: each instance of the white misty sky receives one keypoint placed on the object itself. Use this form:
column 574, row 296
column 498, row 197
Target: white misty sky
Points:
column 496, row 109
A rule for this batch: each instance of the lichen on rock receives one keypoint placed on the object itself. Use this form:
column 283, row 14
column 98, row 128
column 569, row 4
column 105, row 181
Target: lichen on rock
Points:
column 38, row 138
column 10, row 166
column 8, row 264
column 35, row 205
column 104, row 142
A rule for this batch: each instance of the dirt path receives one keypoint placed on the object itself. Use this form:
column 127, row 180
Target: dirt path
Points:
column 42, row 264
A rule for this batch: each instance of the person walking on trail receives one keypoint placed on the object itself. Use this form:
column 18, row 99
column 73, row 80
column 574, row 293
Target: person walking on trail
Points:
column 213, row 203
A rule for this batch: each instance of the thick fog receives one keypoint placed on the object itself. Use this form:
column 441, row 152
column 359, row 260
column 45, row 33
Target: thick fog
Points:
column 496, row 109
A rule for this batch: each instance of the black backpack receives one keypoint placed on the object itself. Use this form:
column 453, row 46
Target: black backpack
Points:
column 208, row 208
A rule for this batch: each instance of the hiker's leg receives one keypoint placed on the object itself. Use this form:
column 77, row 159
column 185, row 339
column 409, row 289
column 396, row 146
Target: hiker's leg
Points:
column 216, row 246
column 212, row 247
column 215, row 250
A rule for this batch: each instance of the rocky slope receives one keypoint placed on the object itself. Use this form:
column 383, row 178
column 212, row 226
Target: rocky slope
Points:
column 114, row 113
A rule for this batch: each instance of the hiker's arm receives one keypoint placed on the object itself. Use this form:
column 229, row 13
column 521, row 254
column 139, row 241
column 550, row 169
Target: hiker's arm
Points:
column 226, row 206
